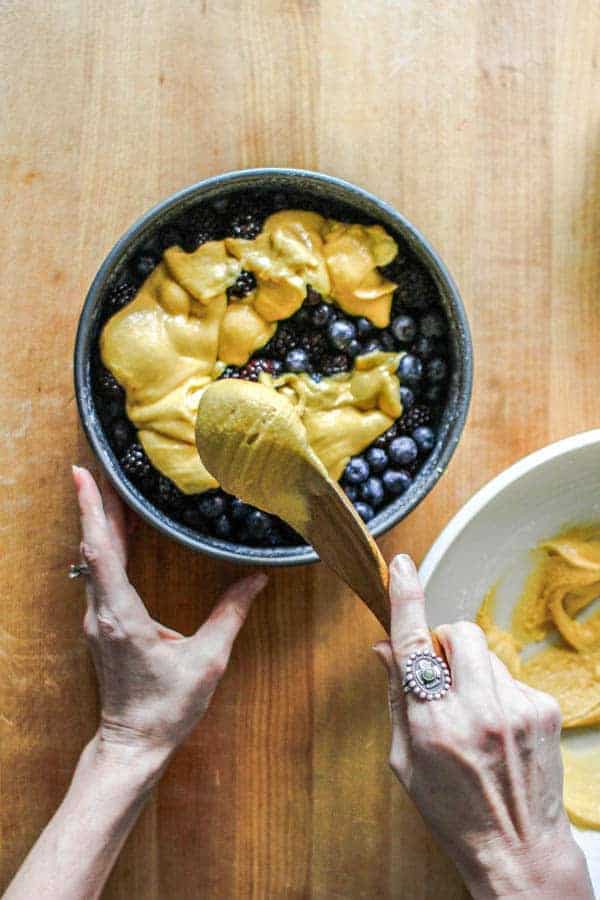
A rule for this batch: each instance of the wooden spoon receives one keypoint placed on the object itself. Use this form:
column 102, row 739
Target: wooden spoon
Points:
column 252, row 441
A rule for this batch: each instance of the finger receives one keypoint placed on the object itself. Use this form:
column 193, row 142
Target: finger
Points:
column 409, row 630
column 399, row 754
column 98, row 546
column 115, row 517
column 468, row 657
column 110, row 587
column 224, row 623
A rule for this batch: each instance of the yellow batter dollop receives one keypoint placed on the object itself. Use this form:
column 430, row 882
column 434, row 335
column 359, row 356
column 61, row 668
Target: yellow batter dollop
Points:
column 181, row 331
column 564, row 581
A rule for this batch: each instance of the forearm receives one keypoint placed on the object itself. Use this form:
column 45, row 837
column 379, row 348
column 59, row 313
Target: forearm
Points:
column 76, row 852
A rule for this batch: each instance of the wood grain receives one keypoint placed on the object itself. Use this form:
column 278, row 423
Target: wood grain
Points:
column 477, row 120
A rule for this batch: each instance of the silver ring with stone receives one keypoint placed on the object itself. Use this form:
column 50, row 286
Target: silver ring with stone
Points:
column 427, row 676
column 76, row 570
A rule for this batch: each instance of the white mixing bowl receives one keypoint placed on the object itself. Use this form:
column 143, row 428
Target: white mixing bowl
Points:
column 489, row 539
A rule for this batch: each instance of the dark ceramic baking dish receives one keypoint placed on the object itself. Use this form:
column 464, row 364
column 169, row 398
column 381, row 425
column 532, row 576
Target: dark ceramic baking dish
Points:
column 325, row 189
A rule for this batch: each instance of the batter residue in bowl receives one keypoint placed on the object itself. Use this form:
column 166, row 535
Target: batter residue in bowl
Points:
column 563, row 583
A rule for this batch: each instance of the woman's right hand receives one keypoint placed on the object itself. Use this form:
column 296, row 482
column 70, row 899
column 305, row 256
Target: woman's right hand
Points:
column 482, row 764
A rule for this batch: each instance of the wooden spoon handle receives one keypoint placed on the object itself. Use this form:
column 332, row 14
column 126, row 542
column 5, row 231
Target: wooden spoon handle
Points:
column 344, row 544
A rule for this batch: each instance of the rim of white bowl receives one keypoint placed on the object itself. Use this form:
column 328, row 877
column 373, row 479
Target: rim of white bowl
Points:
column 489, row 491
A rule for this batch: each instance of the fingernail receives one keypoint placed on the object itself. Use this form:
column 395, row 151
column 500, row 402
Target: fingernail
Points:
column 402, row 567
column 75, row 470
column 260, row 581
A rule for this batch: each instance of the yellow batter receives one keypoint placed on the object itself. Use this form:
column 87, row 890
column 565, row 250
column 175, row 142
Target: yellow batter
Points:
column 299, row 420
column 181, row 330
column 565, row 580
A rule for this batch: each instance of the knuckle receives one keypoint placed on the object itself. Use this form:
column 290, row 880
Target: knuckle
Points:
column 418, row 640
column 396, row 763
column 89, row 625
column 110, row 628
column 467, row 630
column 551, row 715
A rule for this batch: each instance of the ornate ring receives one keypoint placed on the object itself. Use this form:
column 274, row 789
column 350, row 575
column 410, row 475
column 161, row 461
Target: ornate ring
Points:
column 427, row 676
column 78, row 569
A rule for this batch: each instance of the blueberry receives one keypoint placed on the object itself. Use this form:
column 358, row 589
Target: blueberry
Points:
column 372, row 346
column 432, row 325
column 407, row 398
column 357, row 470
column 365, row 511
column 296, row 360
column 276, row 367
column 396, row 481
column 259, row 524
column 144, row 265
column 273, row 538
column 121, row 434
column 424, row 438
column 387, row 341
column 364, row 328
column 239, row 510
column 223, row 527
column 436, row 370
column 377, row 459
column 410, row 369
column 193, row 519
column 341, row 334
column 353, row 349
column 321, row 314
column 403, row 451
column 303, row 317
column 211, row 504
column 351, row 492
column 371, row 491
column 424, row 347
column 433, row 393
column 404, row 328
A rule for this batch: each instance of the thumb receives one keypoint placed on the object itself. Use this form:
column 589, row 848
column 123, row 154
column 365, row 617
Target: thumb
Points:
column 225, row 621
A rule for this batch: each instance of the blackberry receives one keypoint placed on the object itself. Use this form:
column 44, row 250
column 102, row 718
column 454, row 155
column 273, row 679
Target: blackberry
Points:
column 284, row 340
column 423, row 347
column 314, row 343
column 120, row 295
column 415, row 290
column 393, row 271
column 245, row 283
column 387, row 341
column 246, row 223
column 198, row 226
column 135, row 463
column 335, row 363
column 109, row 387
column 413, row 418
column 167, row 495
column 254, row 367
column 169, row 237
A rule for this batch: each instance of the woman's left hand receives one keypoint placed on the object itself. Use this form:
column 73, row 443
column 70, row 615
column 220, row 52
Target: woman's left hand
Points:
column 155, row 684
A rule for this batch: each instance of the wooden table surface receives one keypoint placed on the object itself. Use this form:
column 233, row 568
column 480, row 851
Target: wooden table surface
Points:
column 480, row 122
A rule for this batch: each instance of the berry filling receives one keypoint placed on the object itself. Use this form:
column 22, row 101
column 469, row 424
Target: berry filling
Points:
column 319, row 339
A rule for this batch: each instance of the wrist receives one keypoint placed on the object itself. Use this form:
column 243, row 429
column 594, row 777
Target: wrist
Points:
column 554, row 868
column 133, row 764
